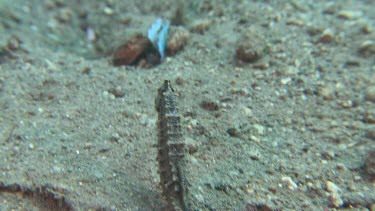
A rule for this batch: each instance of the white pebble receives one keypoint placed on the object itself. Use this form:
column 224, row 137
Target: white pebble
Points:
column 291, row 185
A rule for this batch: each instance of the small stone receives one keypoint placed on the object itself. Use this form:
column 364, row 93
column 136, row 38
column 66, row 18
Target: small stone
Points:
column 341, row 167
column 258, row 129
column 14, row 43
column 65, row 15
column 209, row 105
column 332, row 187
column 31, row 146
column 367, row 29
column 370, row 163
column 247, row 111
column 367, row 48
column 350, row 14
column 233, row 132
column 285, row 81
column 370, row 94
column 250, row 47
column 329, row 154
column 56, row 169
column 16, row 149
column 254, row 138
column 357, row 178
column 291, row 185
column 336, row 200
column 326, row 36
column 200, row 26
column 177, row 40
column 295, row 22
column 334, row 196
column 370, row 132
column 191, row 145
column 369, row 116
column 327, row 93
column 255, row 155
column 345, row 103
column 108, row 11
column 180, row 81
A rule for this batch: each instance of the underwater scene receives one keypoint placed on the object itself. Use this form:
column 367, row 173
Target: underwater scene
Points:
column 187, row 105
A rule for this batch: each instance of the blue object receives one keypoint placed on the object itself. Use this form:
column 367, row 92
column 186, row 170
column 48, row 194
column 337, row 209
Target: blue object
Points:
column 158, row 35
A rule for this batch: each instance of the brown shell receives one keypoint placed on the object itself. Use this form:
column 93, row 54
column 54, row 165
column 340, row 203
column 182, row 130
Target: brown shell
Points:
column 131, row 51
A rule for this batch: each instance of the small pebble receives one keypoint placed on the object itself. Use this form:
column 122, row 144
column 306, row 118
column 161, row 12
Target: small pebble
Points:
column 14, row 43
column 329, row 154
column 201, row 26
column 65, row 15
column 108, row 11
column 257, row 129
column 334, row 196
column 291, row 185
column 369, row 116
column 350, row 14
column 345, row 103
column 247, row 111
column 370, row 94
column 326, row 36
column 16, row 149
column 370, row 133
column 234, row 132
column 31, row 146
column 327, row 93
column 255, row 155
column 336, row 200
column 295, row 22
column 332, row 187
column 341, row 167
column 367, row 48
column 209, row 105
column 285, row 81
column 56, row 169
column 370, row 163
column 177, row 40
column 357, row 178
column 251, row 46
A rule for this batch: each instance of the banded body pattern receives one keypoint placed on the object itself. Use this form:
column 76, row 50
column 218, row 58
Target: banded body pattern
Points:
column 171, row 148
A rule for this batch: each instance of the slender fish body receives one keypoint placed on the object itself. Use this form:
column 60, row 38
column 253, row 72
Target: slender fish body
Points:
column 171, row 149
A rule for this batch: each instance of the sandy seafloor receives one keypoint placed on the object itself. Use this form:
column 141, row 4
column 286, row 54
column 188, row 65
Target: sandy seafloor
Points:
column 290, row 131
